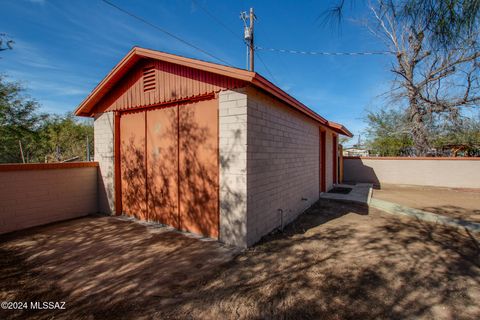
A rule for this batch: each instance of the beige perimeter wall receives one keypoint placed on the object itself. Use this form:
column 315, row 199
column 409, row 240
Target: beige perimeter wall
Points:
column 441, row 173
column 34, row 197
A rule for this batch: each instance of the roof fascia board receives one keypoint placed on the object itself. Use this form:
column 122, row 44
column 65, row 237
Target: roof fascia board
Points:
column 197, row 64
column 136, row 53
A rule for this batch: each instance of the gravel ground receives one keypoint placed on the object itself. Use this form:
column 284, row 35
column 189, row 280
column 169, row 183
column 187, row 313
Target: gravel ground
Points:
column 336, row 261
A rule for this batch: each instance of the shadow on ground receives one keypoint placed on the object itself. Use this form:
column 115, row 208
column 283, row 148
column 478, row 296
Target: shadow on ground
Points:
column 336, row 261
column 456, row 212
column 454, row 203
column 102, row 267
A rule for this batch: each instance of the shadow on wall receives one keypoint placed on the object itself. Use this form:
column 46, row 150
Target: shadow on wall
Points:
column 176, row 182
column 106, row 191
column 233, row 194
column 106, row 182
column 356, row 171
column 173, row 183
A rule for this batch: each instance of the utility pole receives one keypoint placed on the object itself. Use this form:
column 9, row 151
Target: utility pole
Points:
column 248, row 36
column 88, row 149
column 252, row 48
column 21, row 150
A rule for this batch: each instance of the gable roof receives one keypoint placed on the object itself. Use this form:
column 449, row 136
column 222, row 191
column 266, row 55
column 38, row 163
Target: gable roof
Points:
column 137, row 53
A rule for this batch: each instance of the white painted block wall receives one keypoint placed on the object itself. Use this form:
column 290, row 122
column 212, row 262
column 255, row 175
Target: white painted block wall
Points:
column 233, row 166
column 104, row 129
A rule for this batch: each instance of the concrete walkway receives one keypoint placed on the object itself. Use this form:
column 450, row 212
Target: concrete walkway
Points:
column 397, row 209
column 361, row 193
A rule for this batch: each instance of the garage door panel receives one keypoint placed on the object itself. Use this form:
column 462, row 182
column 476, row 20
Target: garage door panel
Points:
column 132, row 159
column 198, row 167
column 162, row 166
column 169, row 166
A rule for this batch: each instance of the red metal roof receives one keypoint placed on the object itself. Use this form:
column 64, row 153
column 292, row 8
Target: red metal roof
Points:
column 337, row 127
column 136, row 54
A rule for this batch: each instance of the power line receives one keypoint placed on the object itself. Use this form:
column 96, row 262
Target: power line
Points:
column 265, row 66
column 226, row 27
column 165, row 32
column 220, row 22
column 322, row 53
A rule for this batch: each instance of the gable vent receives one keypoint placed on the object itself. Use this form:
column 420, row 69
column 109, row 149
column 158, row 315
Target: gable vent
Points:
column 149, row 82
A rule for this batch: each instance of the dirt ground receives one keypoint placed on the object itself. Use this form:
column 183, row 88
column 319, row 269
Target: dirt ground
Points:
column 337, row 261
column 457, row 203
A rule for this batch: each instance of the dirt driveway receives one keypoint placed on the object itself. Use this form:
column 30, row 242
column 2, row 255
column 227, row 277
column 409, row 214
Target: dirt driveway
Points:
column 337, row 261
column 456, row 203
column 103, row 267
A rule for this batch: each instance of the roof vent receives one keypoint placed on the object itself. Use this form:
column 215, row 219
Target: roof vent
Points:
column 149, row 83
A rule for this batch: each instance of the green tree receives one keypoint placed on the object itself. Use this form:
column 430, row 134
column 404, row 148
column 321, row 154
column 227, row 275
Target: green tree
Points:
column 388, row 133
column 42, row 138
column 64, row 137
column 19, row 123
column 464, row 137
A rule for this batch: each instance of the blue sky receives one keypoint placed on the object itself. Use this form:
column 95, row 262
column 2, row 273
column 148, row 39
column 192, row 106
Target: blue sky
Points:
column 64, row 48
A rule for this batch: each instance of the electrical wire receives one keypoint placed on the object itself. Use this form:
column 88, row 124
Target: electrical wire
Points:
column 226, row 27
column 321, row 53
column 165, row 32
column 265, row 66
column 213, row 17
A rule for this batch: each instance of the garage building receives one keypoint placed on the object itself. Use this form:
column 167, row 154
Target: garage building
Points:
column 206, row 148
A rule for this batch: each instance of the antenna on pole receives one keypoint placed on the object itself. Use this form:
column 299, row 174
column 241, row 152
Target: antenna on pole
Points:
column 248, row 37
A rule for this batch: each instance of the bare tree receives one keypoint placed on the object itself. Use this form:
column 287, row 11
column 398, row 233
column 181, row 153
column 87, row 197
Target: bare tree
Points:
column 5, row 42
column 435, row 78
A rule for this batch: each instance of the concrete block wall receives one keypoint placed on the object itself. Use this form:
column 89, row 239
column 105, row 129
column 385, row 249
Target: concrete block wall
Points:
column 34, row 194
column 282, row 164
column 104, row 129
column 233, row 166
column 269, row 164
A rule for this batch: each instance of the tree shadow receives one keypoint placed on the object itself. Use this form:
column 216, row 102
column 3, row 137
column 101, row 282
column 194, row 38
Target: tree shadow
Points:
column 456, row 212
column 102, row 267
column 333, row 262
column 330, row 267
column 174, row 178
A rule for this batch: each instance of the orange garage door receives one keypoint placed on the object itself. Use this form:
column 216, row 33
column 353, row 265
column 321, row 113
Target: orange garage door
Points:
column 133, row 167
column 169, row 166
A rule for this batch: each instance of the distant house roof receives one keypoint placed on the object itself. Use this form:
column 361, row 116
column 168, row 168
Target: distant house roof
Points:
column 136, row 54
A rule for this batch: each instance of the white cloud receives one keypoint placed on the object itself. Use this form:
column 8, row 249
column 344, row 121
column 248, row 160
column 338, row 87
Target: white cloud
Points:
column 68, row 86
column 30, row 55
